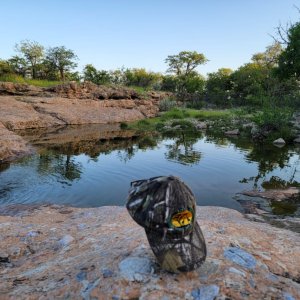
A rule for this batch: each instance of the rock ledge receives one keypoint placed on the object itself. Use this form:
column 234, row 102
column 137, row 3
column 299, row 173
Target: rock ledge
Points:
column 53, row 252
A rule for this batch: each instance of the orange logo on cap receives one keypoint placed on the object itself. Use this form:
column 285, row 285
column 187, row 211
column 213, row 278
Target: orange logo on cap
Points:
column 182, row 219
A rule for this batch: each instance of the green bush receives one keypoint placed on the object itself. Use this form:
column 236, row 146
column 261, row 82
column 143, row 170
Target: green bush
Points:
column 273, row 118
column 141, row 78
column 175, row 113
column 195, row 104
column 276, row 121
column 167, row 104
column 159, row 126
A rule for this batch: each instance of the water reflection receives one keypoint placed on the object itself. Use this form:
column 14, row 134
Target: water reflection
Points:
column 64, row 166
column 182, row 148
column 268, row 158
column 93, row 166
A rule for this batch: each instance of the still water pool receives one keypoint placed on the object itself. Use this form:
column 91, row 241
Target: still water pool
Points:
column 91, row 166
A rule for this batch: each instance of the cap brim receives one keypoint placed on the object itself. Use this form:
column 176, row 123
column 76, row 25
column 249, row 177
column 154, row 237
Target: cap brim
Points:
column 180, row 254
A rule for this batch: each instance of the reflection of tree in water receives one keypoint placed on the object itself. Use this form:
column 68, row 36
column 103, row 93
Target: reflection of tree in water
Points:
column 62, row 166
column 144, row 142
column 127, row 154
column 268, row 159
column 182, row 150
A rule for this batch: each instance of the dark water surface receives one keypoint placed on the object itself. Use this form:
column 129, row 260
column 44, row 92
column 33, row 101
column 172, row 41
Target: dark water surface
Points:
column 93, row 165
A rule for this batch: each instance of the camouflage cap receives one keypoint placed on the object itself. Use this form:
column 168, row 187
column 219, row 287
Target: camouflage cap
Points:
column 166, row 208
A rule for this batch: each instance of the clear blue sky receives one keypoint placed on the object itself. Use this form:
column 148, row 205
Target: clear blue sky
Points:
column 140, row 33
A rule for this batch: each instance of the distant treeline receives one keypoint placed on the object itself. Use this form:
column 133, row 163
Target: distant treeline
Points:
column 271, row 77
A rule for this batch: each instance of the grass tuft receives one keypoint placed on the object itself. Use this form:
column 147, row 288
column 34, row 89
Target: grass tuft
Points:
column 22, row 80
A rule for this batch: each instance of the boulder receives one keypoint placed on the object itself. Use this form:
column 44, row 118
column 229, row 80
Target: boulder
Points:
column 275, row 194
column 12, row 146
column 201, row 125
column 260, row 134
column 101, row 253
column 232, row 132
column 249, row 125
column 279, row 141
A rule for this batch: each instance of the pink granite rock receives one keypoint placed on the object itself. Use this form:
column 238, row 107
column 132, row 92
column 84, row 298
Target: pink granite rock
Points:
column 105, row 255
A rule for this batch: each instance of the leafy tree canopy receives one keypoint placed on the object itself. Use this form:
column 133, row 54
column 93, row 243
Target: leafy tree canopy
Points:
column 61, row 59
column 90, row 73
column 18, row 65
column 185, row 62
column 289, row 60
column 270, row 57
column 33, row 52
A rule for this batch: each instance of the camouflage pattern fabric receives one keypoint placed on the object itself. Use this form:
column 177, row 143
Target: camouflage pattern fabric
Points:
column 166, row 208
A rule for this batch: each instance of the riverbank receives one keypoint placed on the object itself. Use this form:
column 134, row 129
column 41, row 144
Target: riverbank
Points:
column 234, row 122
column 101, row 253
column 28, row 107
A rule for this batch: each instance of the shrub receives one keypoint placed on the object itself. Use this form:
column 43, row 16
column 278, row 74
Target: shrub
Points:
column 167, row 104
column 175, row 113
column 159, row 126
column 273, row 118
column 141, row 77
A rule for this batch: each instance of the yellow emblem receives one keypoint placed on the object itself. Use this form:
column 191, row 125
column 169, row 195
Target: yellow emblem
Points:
column 182, row 219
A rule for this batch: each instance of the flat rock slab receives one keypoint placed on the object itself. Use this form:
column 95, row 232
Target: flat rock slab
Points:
column 37, row 112
column 53, row 252
column 32, row 112
column 74, row 111
column 276, row 194
column 19, row 113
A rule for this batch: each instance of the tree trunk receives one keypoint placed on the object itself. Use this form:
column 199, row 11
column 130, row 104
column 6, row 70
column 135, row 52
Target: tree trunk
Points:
column 33, row 72
column 62, row 74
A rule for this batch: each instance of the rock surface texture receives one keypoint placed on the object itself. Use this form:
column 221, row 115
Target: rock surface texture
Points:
column 23, row 106
column 53, row 252
column 12, row 145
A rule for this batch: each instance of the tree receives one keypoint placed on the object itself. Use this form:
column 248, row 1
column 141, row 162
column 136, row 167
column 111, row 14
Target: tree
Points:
column 5, row 68
column 61, row 60
column 33, row 52
column 90, row 73
column 185, row 62
column 289, row 60
column 218, row 87
column 270, row 57
column 141, row 78
column 250, row 84
column 169, row 83
column 183, row 65
column 18, row 65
